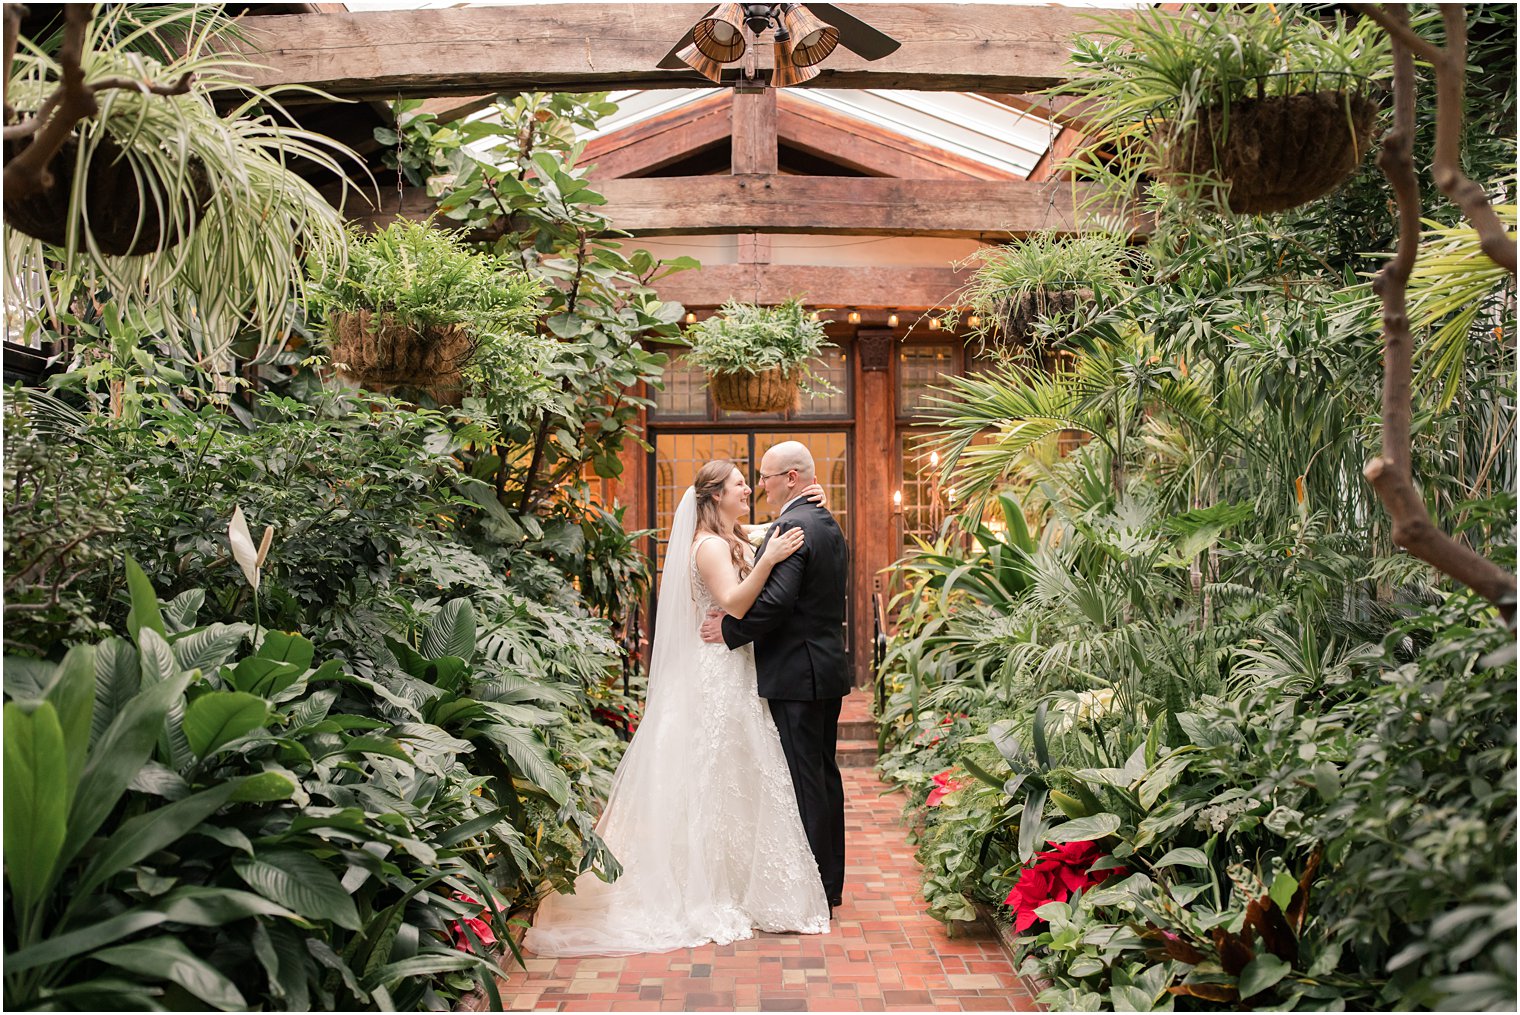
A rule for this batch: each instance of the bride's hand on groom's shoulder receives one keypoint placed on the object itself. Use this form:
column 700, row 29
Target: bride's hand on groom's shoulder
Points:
column 818, row 495
column 712, row 627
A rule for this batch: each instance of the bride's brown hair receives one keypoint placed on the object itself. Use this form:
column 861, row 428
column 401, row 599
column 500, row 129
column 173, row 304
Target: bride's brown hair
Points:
column 708, row 485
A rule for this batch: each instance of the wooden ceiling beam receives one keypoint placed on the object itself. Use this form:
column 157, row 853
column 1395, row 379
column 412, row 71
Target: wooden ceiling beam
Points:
column 660, row 140
column 869, row 149
column 600, row 46
column 988, row 210
column 823, row 286
column 860, row 206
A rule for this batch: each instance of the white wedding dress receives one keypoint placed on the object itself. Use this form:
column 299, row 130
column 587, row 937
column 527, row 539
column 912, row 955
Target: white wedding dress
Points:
column 702, row 815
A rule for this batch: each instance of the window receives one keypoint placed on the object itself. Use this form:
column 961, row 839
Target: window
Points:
column 685, row 396
column 921, row 368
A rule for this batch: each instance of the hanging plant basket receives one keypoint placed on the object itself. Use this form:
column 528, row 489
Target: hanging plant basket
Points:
column 373, row 350
column 1274, row 152
column 1022, row 313
column 115, row 199
column 773, row 390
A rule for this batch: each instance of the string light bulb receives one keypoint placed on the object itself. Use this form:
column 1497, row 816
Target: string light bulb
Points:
column 974, row 321
column 934, row 324
column 691, row 318
column 854, row 316
column 934, row 459
column 891, row 320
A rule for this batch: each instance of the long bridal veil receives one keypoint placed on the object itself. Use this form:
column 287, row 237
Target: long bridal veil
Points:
column 671, row 893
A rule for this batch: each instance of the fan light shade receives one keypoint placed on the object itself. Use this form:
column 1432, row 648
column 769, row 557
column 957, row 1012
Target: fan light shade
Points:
column 720, row 37
column 813, row 40
column 694, row 58
column 788, row 72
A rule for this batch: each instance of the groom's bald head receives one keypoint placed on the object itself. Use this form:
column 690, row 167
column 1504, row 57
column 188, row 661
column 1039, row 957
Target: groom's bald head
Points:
column 790, row 455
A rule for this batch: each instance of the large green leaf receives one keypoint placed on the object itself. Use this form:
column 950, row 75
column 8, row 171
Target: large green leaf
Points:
column 118, row 678
column 156, row 658
column 205, row 906
column 121, row 750
column 531, row 757
column 451, row 632
column 287, row 648
column 1262, row 972
column 1094, row 826
column 73, row 694
column 144, row 613
column 85, row 939
column 217, row 717
column 37, row 796
column 166, row 958
column 264, row 677
column 147, row 833
column 300, row 882
column 208, row 648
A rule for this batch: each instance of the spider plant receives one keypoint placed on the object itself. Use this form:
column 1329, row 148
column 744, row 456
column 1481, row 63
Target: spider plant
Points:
column 221, row 182
column 745, row 338
column 1009, row 278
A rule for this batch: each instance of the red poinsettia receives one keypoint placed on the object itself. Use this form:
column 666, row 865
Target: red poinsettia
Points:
column 480, row 928
column 1053, row 876
column 943, row 787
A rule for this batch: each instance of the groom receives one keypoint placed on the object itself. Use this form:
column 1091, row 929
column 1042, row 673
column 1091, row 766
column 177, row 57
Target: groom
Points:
column 797, row 626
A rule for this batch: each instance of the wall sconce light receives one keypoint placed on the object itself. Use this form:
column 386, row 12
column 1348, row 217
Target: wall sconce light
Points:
column 934, row 459
column 896, row 501
column 691, row 318
column 854, row 316
column 891, row 320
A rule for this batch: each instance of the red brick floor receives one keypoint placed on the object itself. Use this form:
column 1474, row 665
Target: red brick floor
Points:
column 882, row 954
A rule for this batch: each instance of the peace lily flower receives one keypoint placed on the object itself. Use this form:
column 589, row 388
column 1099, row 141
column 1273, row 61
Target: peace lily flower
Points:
column 251, row 560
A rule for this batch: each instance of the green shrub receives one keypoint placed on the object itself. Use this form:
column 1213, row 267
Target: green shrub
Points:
column 746, row 338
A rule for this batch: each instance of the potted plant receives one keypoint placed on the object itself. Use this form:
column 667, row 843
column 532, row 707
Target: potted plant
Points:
column 1267, row 103
column 757, row 358
column 139, row 161
column 1044, row 277
column 413, row 307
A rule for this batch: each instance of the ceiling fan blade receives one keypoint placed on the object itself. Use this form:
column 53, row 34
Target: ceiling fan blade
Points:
column 854, row 34
column 672, row 62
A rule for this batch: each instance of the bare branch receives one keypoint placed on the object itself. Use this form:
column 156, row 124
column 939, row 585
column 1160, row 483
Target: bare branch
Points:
column 1391, row 474
column 13, row 15
column 1446, row 170
column 1400, row 31
column 27, row 173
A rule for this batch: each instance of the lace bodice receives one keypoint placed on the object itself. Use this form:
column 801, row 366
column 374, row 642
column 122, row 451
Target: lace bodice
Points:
column 700, row 593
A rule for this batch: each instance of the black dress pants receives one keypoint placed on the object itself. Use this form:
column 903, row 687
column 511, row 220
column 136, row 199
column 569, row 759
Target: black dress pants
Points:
column 809, row 731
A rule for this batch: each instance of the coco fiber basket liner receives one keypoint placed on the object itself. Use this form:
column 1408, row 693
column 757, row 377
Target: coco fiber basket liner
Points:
column 1277, row 152
column 773, row 390
column 114, row 201
column 1021, row 313
column 373, row 350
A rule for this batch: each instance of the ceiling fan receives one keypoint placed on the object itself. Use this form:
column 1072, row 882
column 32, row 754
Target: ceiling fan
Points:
column 804, row 35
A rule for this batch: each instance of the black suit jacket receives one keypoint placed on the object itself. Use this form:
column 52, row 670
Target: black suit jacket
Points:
column 797, row 623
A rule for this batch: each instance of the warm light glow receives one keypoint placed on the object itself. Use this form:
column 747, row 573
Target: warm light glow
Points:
column 814, row 315
column 974, row 321
column 897, row 498
column 934, row 459
column 950, row 493
column 691, row 318
column 934, row 324
column 891, row 320
column 854, row 317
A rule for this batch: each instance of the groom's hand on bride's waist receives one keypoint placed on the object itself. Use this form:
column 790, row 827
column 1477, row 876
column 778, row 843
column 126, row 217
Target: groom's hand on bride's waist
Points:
column 712, row 627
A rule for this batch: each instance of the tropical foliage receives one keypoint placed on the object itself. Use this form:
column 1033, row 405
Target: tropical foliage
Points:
column 1183, row 717
column 748, row 338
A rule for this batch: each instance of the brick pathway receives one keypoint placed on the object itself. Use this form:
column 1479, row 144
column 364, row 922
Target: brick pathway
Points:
column 883, row 953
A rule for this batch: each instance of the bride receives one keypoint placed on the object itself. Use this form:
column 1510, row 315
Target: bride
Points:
column 702, row 815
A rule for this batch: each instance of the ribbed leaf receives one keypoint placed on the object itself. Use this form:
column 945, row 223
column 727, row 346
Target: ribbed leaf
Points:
column 85, row 939
column 451, row 632
column 208, row 648
column 118, row 678
column 531, row 757
column 167, row 959
column 181, row 611
column 1095, row 826
column 300, row 882
column 156, row 658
